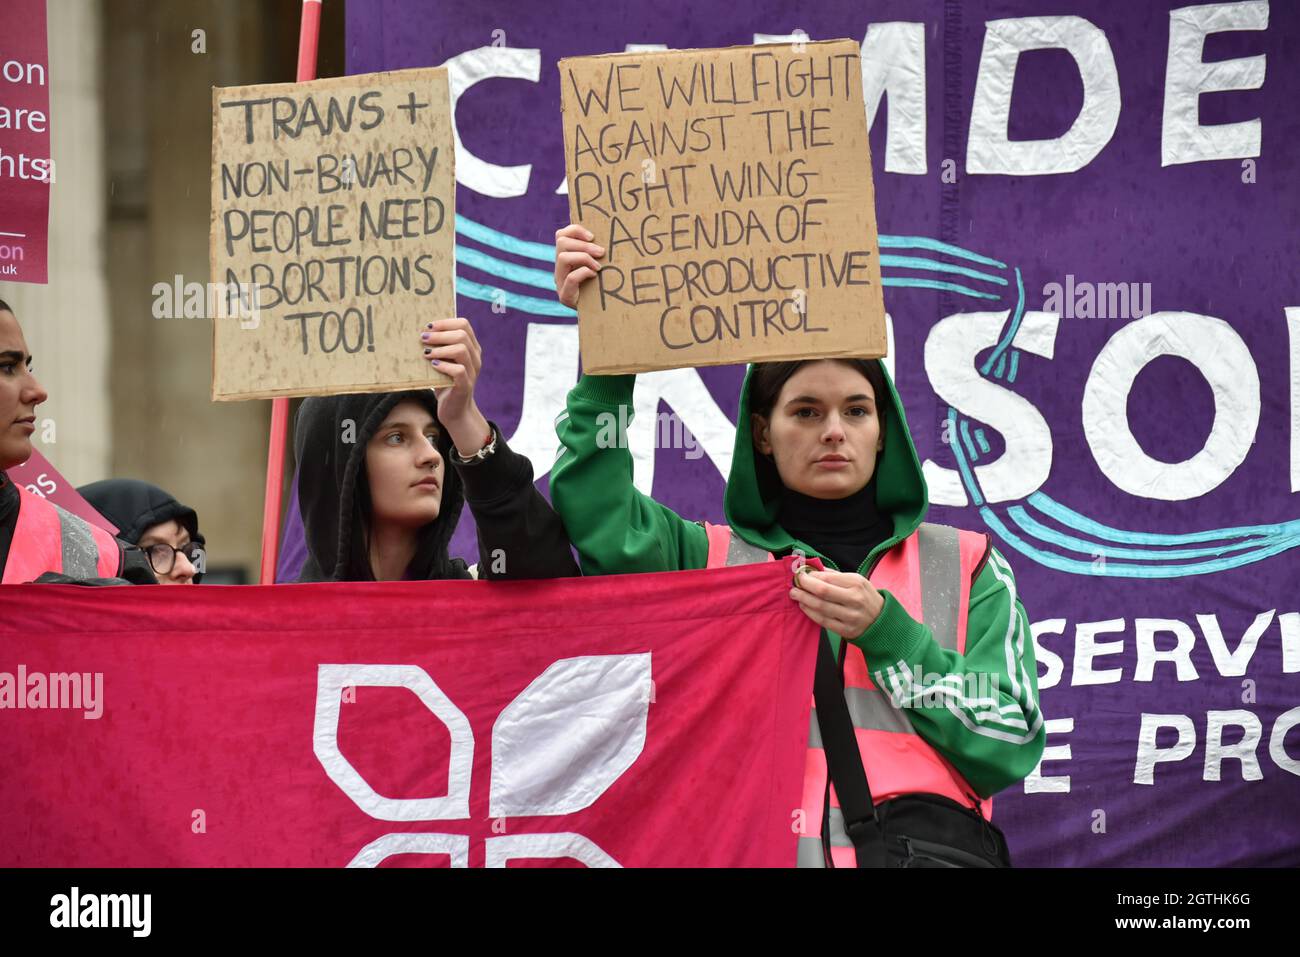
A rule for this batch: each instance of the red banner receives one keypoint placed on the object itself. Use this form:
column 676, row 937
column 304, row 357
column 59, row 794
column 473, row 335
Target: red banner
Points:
column 633, row 720
column 26, row 170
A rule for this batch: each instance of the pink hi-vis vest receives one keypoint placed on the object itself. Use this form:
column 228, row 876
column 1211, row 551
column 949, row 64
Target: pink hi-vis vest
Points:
column 930, row 574
column 48, row 538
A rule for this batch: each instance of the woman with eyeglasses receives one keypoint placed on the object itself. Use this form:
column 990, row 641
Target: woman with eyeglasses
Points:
column 164, row 529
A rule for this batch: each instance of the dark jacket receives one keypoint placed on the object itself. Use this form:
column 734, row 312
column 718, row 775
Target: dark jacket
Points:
column 8, row 517
column 509, row 512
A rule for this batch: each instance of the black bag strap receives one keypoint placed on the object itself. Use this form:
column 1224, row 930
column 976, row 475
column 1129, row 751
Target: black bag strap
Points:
column 844, row 762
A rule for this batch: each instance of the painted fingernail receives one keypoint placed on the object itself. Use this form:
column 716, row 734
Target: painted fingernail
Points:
column 424, row 337
column 433, row 362
column 428, row 352
column 428, row 325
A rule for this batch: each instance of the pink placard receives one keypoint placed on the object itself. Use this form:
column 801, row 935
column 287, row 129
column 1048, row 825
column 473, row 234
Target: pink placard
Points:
column 43, row 479
column 26, row 170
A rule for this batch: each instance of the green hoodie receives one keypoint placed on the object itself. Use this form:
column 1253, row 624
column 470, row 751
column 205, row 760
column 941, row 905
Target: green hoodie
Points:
column 994, row 742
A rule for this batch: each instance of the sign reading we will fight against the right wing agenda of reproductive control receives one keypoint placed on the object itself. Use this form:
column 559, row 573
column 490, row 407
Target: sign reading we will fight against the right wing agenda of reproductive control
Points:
column 732, row 192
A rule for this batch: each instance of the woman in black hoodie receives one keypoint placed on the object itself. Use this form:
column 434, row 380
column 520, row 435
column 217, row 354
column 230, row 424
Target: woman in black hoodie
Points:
column 382, row 479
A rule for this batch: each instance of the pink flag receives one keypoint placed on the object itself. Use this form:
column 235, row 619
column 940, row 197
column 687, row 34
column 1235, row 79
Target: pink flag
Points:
column 633, row 720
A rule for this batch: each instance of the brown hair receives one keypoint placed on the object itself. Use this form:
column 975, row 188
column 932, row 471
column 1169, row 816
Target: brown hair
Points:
column 768, row 378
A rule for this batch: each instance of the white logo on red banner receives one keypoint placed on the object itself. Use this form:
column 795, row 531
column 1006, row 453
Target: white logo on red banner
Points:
column 556, row 748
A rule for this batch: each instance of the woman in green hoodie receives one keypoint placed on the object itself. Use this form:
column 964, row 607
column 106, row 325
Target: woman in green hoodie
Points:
column 824, row 466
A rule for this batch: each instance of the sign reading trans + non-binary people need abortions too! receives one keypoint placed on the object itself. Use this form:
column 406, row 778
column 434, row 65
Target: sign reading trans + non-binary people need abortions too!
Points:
column 732, row 192
column 333, row 207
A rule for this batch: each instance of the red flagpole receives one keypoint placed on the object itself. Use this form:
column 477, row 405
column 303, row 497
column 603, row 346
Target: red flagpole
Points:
column 308, row 38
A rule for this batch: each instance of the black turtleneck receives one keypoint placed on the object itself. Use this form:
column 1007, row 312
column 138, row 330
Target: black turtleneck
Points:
column 844, row 530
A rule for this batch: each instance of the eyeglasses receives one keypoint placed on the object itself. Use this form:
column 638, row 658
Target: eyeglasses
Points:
column 162, row 557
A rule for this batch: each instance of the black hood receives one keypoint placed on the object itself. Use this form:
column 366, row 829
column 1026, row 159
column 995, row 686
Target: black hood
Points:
column 329, row 470
column 135, row 506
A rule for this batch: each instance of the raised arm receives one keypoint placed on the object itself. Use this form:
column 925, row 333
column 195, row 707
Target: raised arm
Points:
column 519, row 534
column 614, row 527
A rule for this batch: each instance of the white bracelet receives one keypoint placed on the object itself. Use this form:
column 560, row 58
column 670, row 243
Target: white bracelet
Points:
column 478, row 456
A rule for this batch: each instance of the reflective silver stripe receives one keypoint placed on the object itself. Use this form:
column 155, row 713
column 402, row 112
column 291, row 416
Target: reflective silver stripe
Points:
column 740, row 552
column 871, row 711
column 868, row 710
column 810, row 852
column 839, row 836
column 939, row 556
column 80, row 556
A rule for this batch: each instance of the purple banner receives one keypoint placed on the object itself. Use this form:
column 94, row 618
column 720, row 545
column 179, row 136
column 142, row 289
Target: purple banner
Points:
column 1090, row 231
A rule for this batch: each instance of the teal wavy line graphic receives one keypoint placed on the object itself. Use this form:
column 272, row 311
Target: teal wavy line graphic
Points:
column 1028, row 523
column 1101, row 568
column 513, row 272
column 911, row 283
column 1164, row 555
column 502, row 269
column 934, row 245
column 543, row 252
column 1082, row 523
column 512, row 300
column 920, row 262
column 1005, row 342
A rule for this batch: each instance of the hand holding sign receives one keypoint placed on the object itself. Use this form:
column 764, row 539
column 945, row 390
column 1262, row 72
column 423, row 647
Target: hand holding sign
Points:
column 451, row 346
column 575, row 261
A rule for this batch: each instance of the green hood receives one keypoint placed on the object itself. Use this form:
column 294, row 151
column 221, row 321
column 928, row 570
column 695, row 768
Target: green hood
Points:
column 900, row 485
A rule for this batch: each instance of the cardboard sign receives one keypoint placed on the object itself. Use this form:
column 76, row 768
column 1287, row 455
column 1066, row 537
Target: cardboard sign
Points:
column 26, row 170
column 732, row 192
column 333, row 232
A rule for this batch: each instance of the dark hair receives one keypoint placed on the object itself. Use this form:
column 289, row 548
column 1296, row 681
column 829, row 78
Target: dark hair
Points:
column 5, row 307
column 769, row 377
